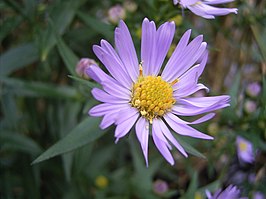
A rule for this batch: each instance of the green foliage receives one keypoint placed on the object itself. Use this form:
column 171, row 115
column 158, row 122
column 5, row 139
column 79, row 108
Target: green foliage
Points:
column 51, row 148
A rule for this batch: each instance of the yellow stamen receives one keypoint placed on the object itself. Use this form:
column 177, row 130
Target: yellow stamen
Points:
column 152, row 96
column 140, row 69
column 242, row 146
column 175, row 81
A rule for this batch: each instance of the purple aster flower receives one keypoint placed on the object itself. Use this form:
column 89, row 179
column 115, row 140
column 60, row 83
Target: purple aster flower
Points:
column 244, row 150
column 141, row 94
column 231, row 192
column 205, row 9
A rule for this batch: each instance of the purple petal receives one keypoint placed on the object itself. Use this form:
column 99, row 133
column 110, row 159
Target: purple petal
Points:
column 160, row 144
column 113, row 66
column 186, row 92
column 108, row 119
column 187, row 83
column 105, row 108
column 187, row 58
column 173, row 61
column 126, row 50
column 198, row 121
column 97, row 74
column 184, row 129
column 126, row 114
column 205, row 101
column 212, row 2
column 116, row 90
column 123, row 128
column 102, row 96
column 148, row 48
column 170, row 137
column 186, row 107
column 164, row 38
column 142, row 131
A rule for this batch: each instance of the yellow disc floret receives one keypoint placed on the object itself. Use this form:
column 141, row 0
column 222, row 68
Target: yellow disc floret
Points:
column 242, row 146
column 152, row 96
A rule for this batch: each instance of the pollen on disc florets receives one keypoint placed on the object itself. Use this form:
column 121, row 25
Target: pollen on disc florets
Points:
column 152, row 96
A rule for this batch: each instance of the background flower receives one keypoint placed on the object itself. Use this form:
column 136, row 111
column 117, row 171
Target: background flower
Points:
column 205, row 8
column 244, row 150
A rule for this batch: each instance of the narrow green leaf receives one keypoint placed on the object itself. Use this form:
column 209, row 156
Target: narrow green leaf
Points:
column 85, row 82
column 9, row 25
column 68, row 56
column 192, row 186
column 62, row 14
column 87, row 131
column 259, row 35
column 188, row 148
column 38, row 89
column 96, row 25
column 18, row 57
column 18, row 142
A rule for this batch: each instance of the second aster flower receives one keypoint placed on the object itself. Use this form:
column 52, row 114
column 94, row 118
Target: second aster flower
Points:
column 205, row 8
column 147, row 96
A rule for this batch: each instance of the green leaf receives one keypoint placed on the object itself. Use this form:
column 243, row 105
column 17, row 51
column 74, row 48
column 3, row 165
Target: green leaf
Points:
column 96, row 25
column 9, row 25
column 192, row 186
column 190, row 149
column 17, row 58
column 18, row 142
column 259, row 35
column 85, row 82
column 62, row 14
column 39, row 89
column 68, row 56
column 87, row 131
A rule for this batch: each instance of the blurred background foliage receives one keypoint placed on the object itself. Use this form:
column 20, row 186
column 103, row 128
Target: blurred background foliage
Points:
column 44, row 100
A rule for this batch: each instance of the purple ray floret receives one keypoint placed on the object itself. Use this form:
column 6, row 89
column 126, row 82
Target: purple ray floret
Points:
column 205, row 8
column 141, row 93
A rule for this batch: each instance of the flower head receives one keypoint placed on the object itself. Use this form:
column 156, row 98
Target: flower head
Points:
column 205, row 9
column 143, row 94
column 231, row 192
column 244, row 150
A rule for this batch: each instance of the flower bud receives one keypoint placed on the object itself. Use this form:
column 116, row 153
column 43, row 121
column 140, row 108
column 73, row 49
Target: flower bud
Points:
column 253, row 89
column 82, row 65
column 116, row 13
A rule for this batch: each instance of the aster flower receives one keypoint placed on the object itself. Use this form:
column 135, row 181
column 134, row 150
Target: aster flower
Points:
column 205, row 9
column 141, row 94
column 231, row 192
column 244, row 150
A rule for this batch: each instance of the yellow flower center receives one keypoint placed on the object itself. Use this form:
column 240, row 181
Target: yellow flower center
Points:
column 243, row 146
column 152, row 96
column 101, row 181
